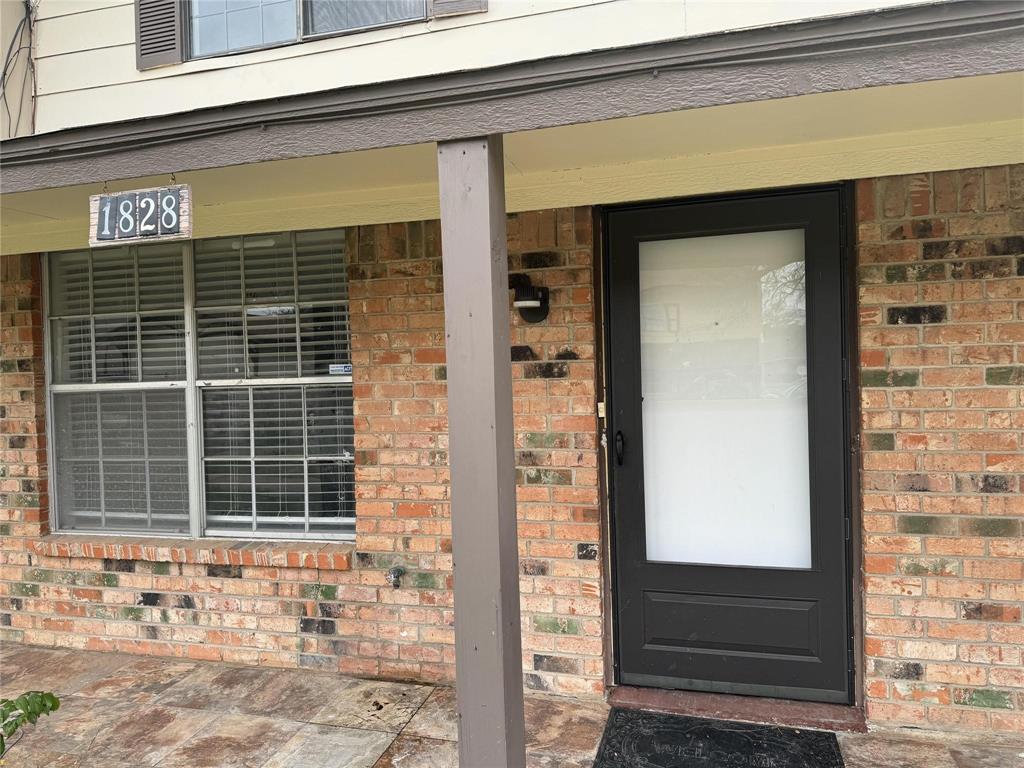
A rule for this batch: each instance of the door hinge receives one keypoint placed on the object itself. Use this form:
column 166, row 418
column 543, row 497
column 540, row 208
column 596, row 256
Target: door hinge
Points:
column 850, row 664
column 849, row 527
column 601, row 414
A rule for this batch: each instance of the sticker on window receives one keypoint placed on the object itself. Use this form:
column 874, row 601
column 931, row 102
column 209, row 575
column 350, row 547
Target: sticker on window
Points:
column 340, row 369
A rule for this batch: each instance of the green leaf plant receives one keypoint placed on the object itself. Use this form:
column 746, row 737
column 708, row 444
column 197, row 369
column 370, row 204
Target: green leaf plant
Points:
column 27, row 708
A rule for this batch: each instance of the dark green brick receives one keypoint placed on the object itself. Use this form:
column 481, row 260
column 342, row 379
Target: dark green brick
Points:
column 990, row 526
column 132, row 613
column 983, row 697
column 881, row 441
column 1012, row 375
column 25, row 590
column 40, row 575
column 423, row 580
column 162, row 569
column 320, row 591
column 557, row 625
column 876, row 377
column 930, row 567
column 545, row 440
column 939, row 526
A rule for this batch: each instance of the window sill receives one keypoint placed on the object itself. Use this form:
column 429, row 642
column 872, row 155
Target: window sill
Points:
column 298, row 554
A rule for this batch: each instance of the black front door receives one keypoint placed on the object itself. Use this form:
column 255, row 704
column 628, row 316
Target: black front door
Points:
column 727, row 443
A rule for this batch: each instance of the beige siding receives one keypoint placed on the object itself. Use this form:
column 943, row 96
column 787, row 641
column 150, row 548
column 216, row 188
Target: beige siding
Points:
column 86, row 51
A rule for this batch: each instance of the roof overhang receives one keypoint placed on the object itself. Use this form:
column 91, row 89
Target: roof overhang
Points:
column 825, row 137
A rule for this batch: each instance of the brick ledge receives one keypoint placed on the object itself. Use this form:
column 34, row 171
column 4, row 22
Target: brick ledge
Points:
column 281, row 554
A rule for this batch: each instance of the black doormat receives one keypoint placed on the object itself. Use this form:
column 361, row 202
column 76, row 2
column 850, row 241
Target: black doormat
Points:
column 634, row 739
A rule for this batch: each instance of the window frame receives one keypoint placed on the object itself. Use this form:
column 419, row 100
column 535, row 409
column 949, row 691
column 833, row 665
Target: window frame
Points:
column 193, row 388
column 301, row 36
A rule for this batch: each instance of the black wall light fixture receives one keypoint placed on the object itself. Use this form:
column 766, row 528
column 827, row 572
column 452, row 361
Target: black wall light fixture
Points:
column 531, row 301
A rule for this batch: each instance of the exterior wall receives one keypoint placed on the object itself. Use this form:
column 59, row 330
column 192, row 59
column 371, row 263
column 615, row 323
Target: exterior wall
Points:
column 297, row 605
column 85, row 51
column 941, row 302
column 402, row 476
column 941, row 272
column 23, row 499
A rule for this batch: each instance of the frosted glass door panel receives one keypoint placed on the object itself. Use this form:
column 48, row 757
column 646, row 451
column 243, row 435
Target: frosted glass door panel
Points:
column 724, row 383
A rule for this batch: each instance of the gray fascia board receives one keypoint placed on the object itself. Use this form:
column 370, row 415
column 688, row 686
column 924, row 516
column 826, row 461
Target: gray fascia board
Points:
column 903, row 45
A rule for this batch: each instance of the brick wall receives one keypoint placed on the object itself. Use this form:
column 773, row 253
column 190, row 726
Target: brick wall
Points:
column 303, row 606
column 941, row 273
column 941, row 276
column 401, row 442
column 23, row 499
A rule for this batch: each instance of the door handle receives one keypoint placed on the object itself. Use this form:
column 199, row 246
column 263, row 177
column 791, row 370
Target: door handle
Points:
column 620, row 447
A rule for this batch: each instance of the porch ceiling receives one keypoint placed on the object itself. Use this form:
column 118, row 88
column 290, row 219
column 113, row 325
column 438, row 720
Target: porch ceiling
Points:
column 925, row 126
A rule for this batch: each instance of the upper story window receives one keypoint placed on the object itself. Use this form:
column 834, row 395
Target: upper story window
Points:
column 220, row 26
column 225, row 26
column 170, row 31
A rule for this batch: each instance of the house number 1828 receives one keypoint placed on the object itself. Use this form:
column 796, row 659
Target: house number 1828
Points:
column 132, row 215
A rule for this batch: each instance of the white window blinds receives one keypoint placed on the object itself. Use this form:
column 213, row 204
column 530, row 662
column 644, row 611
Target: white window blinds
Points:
column 272, row 454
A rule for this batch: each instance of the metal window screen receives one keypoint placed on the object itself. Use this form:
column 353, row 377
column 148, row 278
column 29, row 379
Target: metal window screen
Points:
column 121, row 461
column 117, row 320
column 272, row 454
column 278, row 456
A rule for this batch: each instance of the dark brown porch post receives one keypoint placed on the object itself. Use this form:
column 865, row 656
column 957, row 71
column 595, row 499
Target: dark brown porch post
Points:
column 488, row 647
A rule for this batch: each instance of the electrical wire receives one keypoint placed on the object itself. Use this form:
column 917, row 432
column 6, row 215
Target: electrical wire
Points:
column 11, row 57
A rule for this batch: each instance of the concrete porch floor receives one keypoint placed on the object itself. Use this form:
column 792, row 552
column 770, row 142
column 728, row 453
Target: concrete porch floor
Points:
column 121, row 711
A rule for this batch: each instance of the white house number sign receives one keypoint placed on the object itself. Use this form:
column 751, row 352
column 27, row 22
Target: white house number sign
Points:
column 161, row 213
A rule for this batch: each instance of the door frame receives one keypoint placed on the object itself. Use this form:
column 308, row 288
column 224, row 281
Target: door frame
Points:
column 851, row 419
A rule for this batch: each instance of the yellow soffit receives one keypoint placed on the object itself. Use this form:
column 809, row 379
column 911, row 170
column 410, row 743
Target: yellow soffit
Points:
column 933, row 126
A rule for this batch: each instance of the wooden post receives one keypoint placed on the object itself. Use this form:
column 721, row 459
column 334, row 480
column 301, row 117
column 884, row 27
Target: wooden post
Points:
column 488, row 645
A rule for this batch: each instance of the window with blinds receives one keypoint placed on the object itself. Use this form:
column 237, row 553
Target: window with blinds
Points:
column 266, row 376
column 271, row 323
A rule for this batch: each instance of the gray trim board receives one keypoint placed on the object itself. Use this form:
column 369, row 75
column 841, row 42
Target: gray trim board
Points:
column 905, row 45
column 485, row 546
